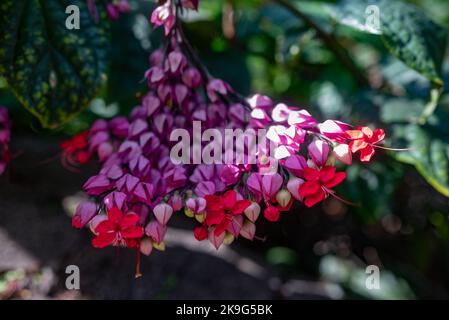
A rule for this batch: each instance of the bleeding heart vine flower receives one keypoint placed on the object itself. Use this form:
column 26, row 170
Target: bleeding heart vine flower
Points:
column 221, row 210
column 364, row 140
column 139, row 187
column 319, row 183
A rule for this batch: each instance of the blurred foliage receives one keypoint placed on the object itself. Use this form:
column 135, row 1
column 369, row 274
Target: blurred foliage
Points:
column 262, row 46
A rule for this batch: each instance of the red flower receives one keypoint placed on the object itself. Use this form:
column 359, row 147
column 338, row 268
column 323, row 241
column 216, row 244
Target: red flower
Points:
column 118, row 229
column 318, row 184
column 75, row 149
column 221, row 209
column 364, row 140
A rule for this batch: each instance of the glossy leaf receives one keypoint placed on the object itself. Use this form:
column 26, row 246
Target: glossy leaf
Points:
column 405, row 29
column 53, row 71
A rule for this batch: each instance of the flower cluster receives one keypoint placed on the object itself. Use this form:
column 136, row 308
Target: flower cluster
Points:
column 139, row 188
column 5, row 136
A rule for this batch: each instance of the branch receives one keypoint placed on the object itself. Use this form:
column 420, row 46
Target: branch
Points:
column 329, row 41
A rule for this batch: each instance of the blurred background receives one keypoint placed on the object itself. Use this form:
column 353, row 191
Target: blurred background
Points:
column 395, row 78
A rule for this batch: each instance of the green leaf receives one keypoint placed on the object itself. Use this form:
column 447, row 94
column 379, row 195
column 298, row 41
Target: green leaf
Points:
column 53, row 71
column 407, row 32
column 429, row 152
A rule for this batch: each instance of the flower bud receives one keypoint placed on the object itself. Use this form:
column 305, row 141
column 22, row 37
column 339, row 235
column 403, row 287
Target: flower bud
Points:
column 271, row 214
column 216, row 240
column 200, row 233
column 189, row 213
column 163, row 213
column 146, row 246
column 252, row 212
column 293, row 185
column 156, row 231
column 248, row 230
column 283, row 197
column 228, row 239
column 176, row 202
column 200, row 217
column 159, row 246
column 318, row 151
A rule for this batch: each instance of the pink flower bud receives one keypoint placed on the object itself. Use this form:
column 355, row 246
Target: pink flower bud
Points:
column 104, row 151
column 151, row 104
column 137, row 127
column 176, row 202
column 163, row 213
column 319, row 152
column 175, row 62
column 146, row 246
column 156, row 231
column 154, row 75
column 252, row 212
column 119, row 127
column 216, row 240
column 248, row 230
column 293, row 185
column 271, row 185
column 196, row 205
column 192, row 78
column 235, row 225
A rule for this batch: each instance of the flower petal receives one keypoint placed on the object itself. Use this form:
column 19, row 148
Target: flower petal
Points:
column 308, row 188
column 313, row 199
column 336, row 180
column 132, row 232
column 357, row 145
column 240, row 206
column 228, row 199
column 103, row 240
column 366, row 153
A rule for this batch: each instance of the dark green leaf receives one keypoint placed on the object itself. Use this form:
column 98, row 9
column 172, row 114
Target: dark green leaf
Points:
column 429, row 152
column 53, row 71
column 405, row 30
